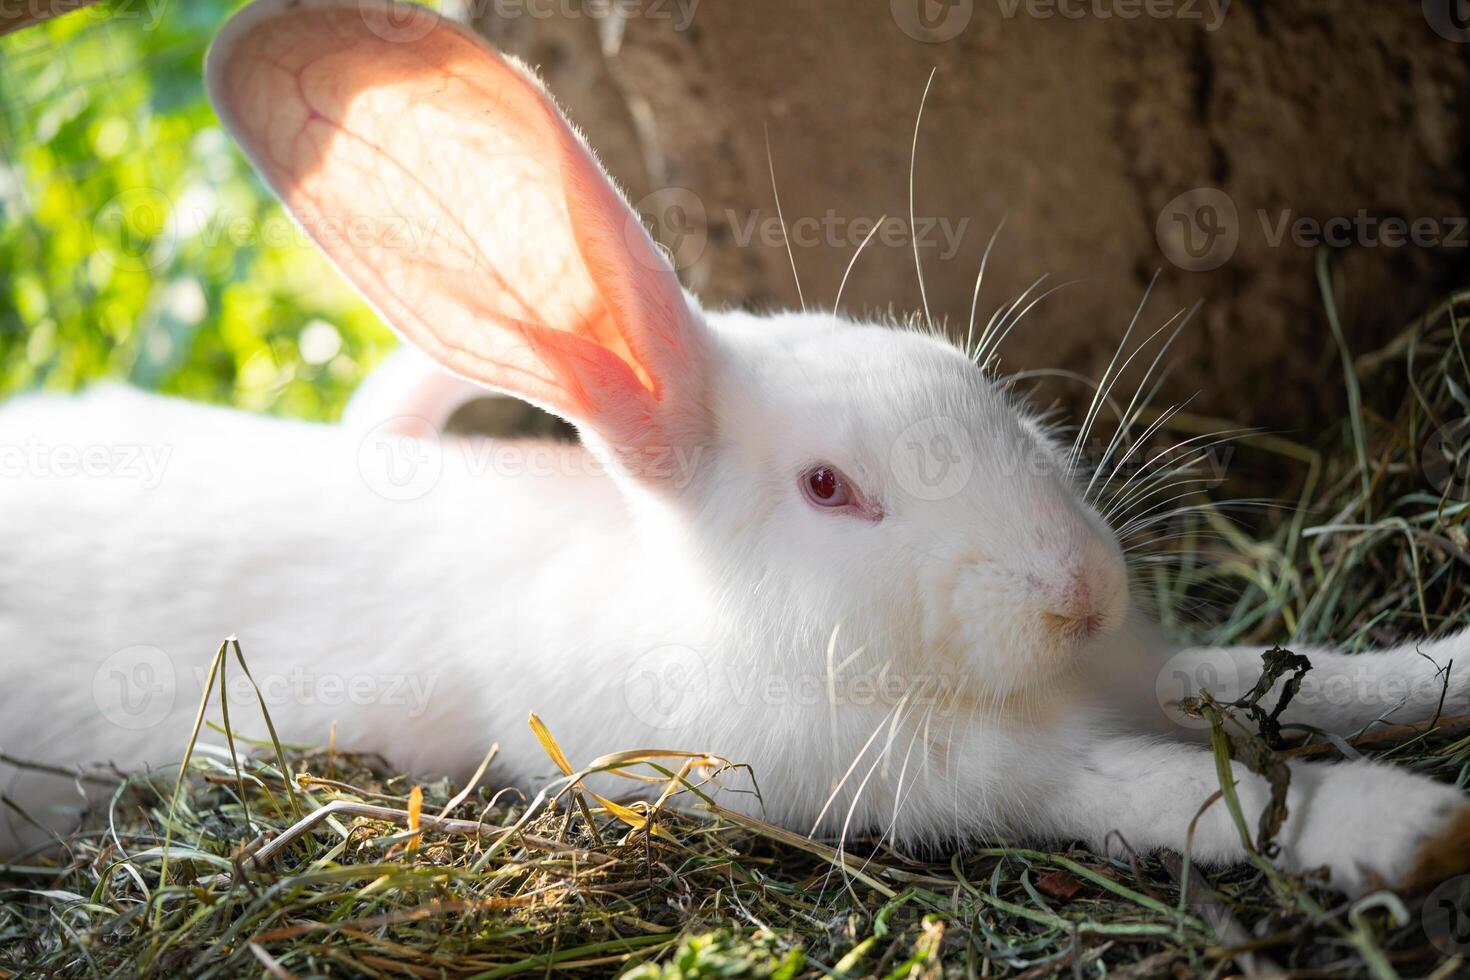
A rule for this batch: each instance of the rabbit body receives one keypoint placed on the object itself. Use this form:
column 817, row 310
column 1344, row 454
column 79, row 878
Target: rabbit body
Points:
column 545, row 591
column 553, row 593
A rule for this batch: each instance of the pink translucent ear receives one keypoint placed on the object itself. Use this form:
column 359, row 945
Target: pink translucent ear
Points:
column 445, row 184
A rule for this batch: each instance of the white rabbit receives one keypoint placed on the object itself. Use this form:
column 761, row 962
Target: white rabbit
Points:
column 835, row 551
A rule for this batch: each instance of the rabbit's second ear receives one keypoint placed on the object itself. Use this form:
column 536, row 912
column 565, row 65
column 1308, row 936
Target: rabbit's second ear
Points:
column 443, row 181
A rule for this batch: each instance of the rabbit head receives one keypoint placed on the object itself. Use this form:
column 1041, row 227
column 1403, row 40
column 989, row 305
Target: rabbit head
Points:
column 829, row 472
column 878, row 474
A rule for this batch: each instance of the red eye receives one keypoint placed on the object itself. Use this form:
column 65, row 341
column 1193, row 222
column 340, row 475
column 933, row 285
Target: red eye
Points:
column 825, row 486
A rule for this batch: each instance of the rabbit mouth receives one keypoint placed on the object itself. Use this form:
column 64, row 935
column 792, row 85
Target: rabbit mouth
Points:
column 1087, row 611
column 1076, row 627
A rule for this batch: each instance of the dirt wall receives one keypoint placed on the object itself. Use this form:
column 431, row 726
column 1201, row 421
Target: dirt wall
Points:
column 1288, row 128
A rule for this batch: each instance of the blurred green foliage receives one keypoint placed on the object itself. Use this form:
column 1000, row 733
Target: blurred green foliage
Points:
column 135, row 241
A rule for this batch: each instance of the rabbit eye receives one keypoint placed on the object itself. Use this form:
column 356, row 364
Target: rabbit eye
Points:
column 825, row 486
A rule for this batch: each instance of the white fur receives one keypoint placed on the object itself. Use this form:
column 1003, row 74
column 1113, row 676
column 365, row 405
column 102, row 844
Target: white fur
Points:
column 921, row 675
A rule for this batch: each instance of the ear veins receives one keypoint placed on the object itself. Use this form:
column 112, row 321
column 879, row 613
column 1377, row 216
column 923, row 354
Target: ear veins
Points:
column 528, row 273
column 597, row 244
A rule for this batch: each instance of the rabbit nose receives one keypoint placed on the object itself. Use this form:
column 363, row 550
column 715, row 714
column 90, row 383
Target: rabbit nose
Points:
column 1074, row 610
column 1086, row 600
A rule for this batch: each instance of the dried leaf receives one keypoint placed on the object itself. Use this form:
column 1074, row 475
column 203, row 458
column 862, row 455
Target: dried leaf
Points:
column 1060, row 884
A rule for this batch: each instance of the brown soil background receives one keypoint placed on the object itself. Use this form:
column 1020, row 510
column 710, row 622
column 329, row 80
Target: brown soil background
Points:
column 1079, row 131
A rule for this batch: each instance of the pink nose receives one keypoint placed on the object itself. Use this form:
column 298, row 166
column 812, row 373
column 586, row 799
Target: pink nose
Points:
column 1086, row 597
column 1074, row 610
